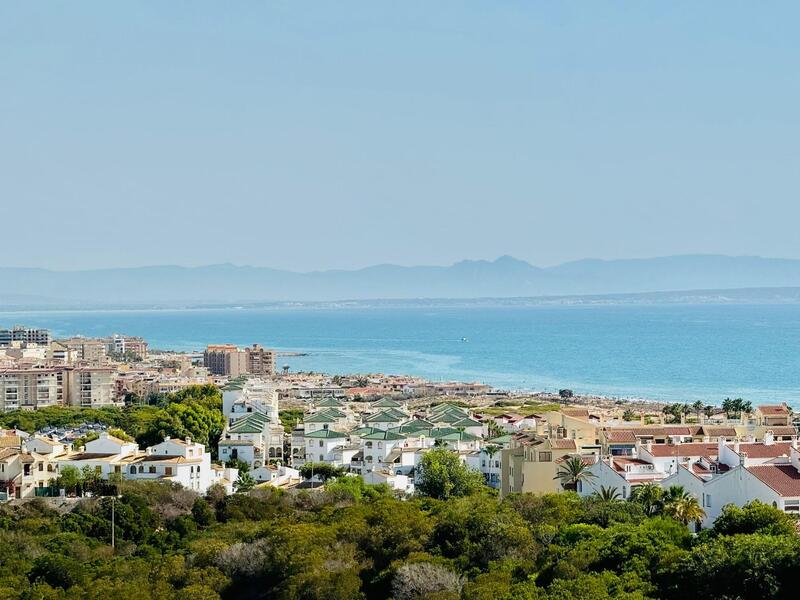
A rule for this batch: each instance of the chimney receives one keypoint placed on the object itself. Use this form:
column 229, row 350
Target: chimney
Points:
column 167, row 438
column 683, row 419
column 188, row 440
column 769, row 438
column 701, row 418
column 641, row 418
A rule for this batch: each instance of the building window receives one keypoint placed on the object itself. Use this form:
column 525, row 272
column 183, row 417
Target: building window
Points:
column 545, row 457
column 791, row 506
column 320, row 443
column 708, row 500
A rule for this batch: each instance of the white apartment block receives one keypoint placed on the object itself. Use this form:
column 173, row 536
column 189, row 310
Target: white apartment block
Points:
column 31, row 387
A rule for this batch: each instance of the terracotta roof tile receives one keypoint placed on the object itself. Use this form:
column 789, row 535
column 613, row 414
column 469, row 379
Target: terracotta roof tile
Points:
column 564, row 444
column 620, row 436
column 688, row 449
column 760, row 450
column 783, row 430
column 718, row 431
column 784, row 479
column 773, row 409
column 576, row 412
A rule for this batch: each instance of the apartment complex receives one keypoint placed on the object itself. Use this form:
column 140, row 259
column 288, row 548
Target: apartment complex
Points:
column 232, row 361
column 97, row 350
column 85, row 349
column 260, row 361
column 24, row 335
column 31, row 387
column 125, row 344
column 225, row 359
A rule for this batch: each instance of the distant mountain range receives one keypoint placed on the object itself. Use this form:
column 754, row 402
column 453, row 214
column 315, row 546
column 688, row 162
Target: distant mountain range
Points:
column 505, row 277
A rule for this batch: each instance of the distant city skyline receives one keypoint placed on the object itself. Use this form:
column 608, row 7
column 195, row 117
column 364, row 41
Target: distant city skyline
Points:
column 278, row 136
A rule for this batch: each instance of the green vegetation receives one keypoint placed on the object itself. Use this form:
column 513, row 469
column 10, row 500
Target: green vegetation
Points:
column 734, row 408
column 350, row 541
column 443, row 476
column 525, row 408
column 572, row 471
column 290, row 418
column 195, row 412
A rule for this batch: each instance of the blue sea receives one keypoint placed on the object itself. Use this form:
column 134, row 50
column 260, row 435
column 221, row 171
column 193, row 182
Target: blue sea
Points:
column 672, row 353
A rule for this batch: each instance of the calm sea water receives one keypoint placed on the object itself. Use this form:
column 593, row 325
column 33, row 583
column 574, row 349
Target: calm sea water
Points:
column 675, row 353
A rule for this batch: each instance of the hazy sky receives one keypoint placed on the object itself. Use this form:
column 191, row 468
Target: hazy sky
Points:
column 337, row 135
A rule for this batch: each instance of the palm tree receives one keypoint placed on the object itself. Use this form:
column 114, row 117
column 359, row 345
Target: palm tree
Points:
column 697, row 406
column 650, row 496
column 709, row 410
column 607, row 494
column 674, row 493
column 491, row 450
column 573, row 470
column 685, row 510
column 747, row 406
column 729, row 406
column 494, row 429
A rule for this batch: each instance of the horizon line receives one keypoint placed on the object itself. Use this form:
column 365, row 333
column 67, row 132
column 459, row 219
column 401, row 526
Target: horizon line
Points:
column 396, row 265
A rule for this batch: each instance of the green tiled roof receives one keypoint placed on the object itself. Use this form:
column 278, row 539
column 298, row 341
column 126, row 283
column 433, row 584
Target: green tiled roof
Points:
column 433, row 432
column 441, row 408
column 462, row 436
column 363, row 431
column 253, row 423
column 383, row 417
column 447, row 418
column 412, row 426
column 326, row 434
column 386, row 403
column 330, row 402
column 320, row 417
column 384, row 435
column 467, row 423
column 397, row 413
column 503, row 439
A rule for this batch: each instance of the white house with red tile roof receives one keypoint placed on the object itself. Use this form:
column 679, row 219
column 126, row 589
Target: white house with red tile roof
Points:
column 750, row 454
column 668, row 457
column 182, row 461
column 767, row 471
column 773, row 414
column 620, row 472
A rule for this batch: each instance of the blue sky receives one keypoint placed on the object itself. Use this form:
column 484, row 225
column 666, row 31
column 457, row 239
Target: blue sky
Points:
column 338, row 135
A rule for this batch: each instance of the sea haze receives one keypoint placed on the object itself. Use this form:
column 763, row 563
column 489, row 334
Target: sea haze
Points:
column 506, row 277
column 664, row 352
